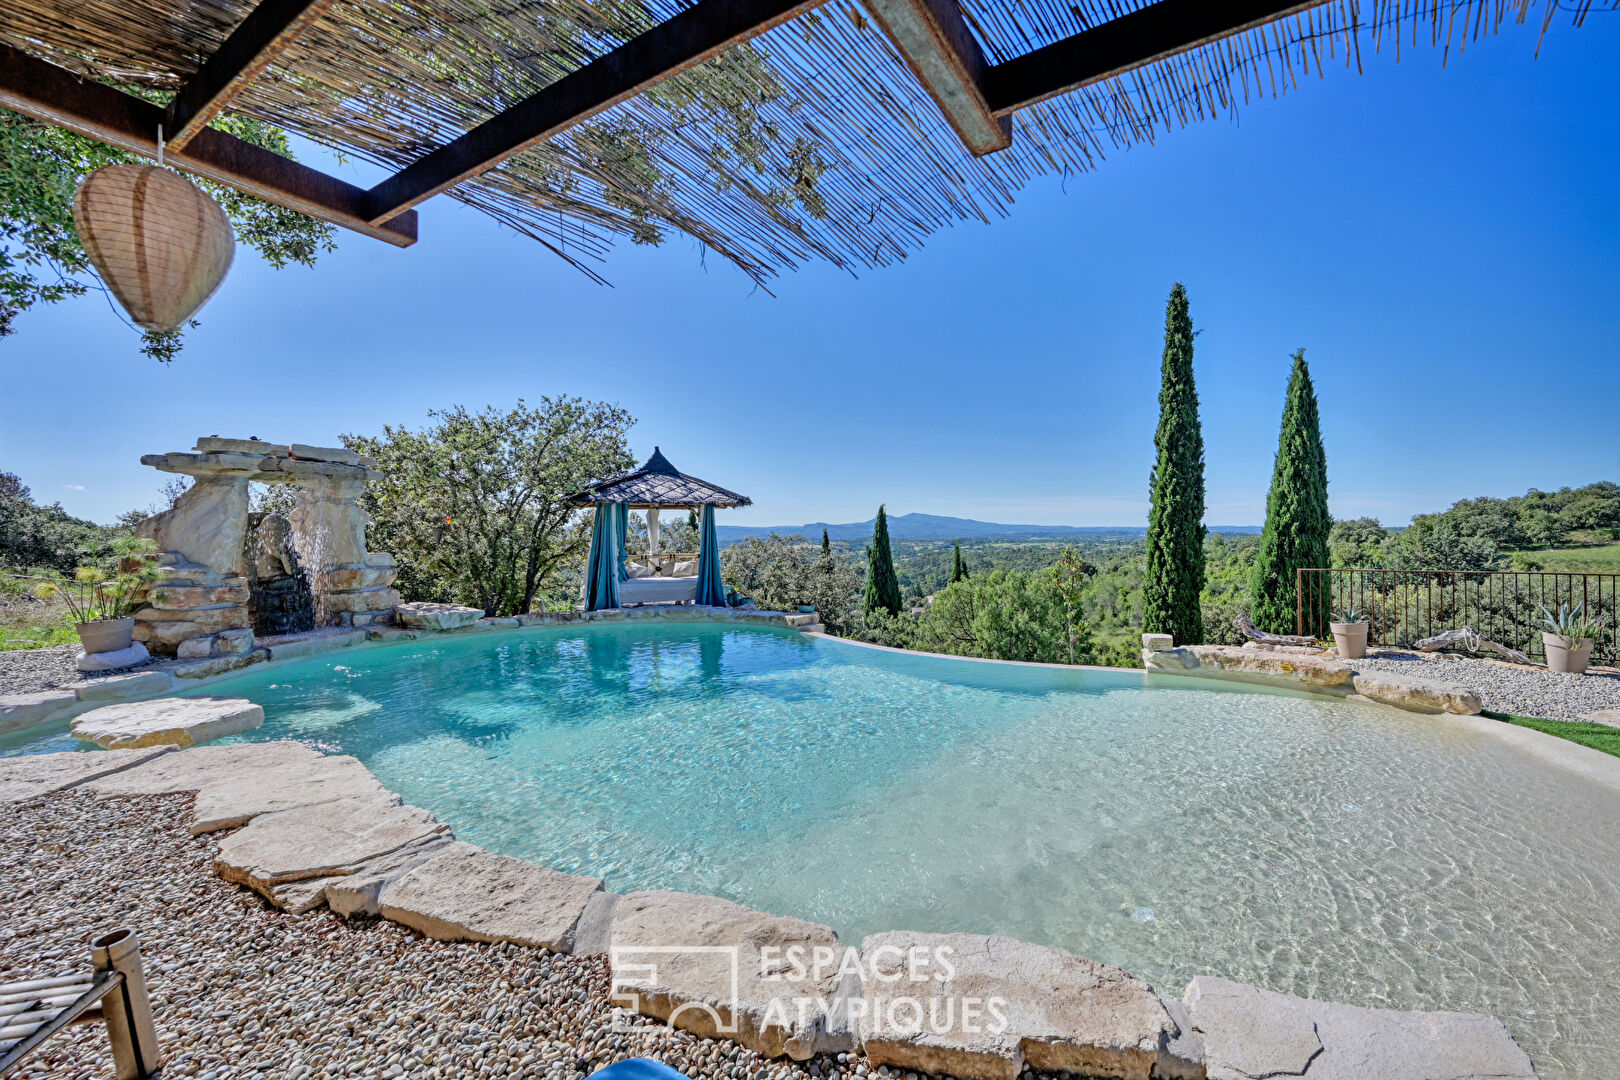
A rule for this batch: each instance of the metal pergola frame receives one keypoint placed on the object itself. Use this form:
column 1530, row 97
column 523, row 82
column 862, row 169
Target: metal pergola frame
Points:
column 975, row 96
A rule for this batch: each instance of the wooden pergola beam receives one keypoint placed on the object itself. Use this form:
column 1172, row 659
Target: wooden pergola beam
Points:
column 268, row 29
column 46, row 92
column 697, row 34
column 1120, row 45
column 946, row 58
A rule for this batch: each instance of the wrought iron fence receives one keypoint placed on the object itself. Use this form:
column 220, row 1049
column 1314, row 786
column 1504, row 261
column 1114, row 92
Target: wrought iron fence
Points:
column 1406, row 606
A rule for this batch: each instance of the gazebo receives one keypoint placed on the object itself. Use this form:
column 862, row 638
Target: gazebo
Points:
column 656, row 485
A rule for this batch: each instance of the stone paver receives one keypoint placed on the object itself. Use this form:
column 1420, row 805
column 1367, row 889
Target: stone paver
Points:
column 124, row 687
column 329, row 839
column 18, row 711
column 1420, row 695
column 987, row 1006
column 40, row 774
column 728, row 976
column 428, row 616
column 1250, row 1034
column 167, row 722
column 1309, row 670
column 463, row 893
column 234, row 784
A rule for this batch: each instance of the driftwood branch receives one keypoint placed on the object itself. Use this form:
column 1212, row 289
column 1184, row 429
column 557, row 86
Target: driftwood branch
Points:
column 1254, row 633
column 1466, row 638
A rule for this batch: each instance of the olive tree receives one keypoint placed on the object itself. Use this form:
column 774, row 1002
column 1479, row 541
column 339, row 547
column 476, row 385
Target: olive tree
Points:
column 472, row 505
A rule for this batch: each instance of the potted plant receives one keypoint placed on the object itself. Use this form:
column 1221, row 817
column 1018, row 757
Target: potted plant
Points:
column 1350, row 628
column 102, row 595
column 1569, row 638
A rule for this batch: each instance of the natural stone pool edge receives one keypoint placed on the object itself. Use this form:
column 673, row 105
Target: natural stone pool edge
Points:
column 302, row 829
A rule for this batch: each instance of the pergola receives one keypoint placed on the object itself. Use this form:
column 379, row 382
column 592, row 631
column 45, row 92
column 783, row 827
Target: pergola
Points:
column 769, row 130
column 656, row 485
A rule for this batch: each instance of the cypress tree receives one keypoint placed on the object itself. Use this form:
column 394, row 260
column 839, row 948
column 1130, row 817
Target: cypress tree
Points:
column 958, row 568
column 882, row 586
column 1297, row 520
column 1175, row 536
column 826, row 544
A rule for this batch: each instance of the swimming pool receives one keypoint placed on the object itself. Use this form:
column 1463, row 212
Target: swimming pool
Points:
column 1318, row 847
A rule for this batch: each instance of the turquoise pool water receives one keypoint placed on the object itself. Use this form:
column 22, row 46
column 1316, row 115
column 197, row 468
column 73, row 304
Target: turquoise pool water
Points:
column 1323, row 848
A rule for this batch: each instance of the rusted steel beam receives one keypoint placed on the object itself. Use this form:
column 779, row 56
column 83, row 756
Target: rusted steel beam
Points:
column 1119, row 45
column 699, row 33
column 252, row 47
column 944, row 55
column 46, row 92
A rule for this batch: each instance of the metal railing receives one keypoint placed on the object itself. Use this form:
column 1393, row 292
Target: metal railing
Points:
column 1406, row 606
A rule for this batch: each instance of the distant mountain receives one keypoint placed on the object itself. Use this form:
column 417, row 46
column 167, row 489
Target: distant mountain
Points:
column 935, row 527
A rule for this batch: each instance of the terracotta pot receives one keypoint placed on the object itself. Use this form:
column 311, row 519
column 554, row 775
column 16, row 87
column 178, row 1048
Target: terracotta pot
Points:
column 1562, row 658
column 106, row 635
column 1351, row 638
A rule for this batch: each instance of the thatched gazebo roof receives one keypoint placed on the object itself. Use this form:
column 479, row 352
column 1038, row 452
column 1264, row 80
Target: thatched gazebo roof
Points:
column 658, row 485
column 774, row 132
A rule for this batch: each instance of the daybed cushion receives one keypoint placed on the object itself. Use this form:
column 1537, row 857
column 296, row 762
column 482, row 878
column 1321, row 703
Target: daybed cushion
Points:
column 657, row 590
column 686, row 569
column 637, row 570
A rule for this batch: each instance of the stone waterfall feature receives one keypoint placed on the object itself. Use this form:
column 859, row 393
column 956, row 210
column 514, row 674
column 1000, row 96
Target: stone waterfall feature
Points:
column 281, row 600
column 205, row 604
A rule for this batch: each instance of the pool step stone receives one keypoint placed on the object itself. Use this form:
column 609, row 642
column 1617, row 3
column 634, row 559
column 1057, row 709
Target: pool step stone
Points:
column 721, row 970
column 33, row 775
column 1250, row 1034
column 322, row 840
column 1030, row 1006
column 177, row 722
column 235, row 784
column 463, row 893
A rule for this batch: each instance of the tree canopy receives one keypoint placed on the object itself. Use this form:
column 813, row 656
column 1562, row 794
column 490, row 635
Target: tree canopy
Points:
column 472, row 506
column 882, row 586
column 1175, row 536
column 1297, row 519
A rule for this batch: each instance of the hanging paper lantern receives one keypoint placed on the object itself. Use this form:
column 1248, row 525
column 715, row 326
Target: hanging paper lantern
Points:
column 160, row 244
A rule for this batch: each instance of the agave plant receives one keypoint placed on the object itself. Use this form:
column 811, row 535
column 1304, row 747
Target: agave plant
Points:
column 1350, row 615
column 1571, row 624
column 106, row 587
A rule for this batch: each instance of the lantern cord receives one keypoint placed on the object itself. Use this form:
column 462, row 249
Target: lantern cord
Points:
column 160, row 146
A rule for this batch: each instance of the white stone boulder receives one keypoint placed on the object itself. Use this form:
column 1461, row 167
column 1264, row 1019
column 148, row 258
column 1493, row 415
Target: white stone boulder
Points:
column 425, row 616
column 1250, row 1034
column 137, row 684
column 463, row 893
column 1418, row 695
column 167, row 722
column 40, row 774
column 1271, row 667
column 329, row 839
column 981, row 1008
column 18, row 711
column 720, row 970
column 112, row 661
column 235, row 784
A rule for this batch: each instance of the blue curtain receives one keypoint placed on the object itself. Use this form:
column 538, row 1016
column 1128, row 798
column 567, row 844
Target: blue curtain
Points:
column 710, row 591
column 601, row 576
column 622, row 524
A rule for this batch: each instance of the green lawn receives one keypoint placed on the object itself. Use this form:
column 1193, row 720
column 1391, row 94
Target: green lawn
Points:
column 1595, row 559
column 1597, row 736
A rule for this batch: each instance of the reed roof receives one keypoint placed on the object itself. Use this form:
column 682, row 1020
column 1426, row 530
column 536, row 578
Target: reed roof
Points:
column 811, row 141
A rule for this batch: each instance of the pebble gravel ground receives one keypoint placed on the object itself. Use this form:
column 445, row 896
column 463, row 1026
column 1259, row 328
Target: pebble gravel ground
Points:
column 1506, row 688
column 240, row 989
column 23, row 671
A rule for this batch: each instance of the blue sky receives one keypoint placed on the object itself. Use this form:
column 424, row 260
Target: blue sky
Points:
column 1445, row 244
